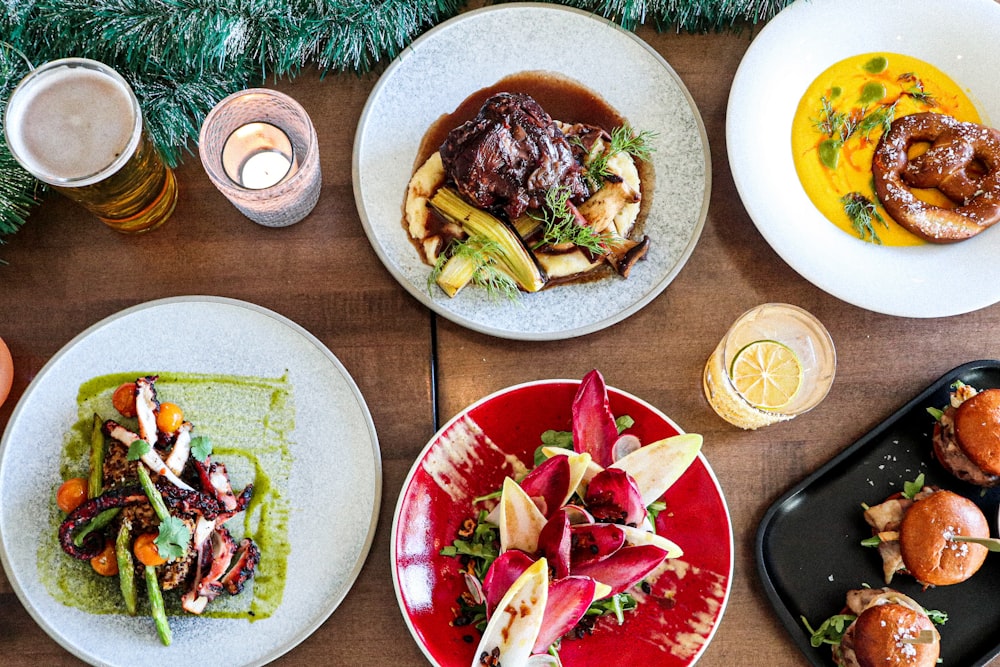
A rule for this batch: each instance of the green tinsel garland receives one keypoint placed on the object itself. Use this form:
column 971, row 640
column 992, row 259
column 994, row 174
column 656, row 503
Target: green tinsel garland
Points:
column 182, row 56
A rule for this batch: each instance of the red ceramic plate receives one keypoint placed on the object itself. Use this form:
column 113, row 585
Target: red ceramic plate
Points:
column 470, row 457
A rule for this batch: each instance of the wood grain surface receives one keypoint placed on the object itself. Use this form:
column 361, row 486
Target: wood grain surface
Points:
column 67, row 271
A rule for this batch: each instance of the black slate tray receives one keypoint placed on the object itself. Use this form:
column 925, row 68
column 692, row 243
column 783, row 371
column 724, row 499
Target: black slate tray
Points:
column 807, row 547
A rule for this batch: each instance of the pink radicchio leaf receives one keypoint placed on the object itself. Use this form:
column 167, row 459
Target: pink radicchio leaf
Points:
column 624, row 568
column 548, row 484
column 503, row 572
column 578, row 515
column 615, row 497
column 594, row 429
column 569, row 598
column 594, row 542
column 554, row 543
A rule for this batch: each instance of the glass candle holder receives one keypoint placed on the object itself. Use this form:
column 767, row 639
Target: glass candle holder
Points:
column 260, row 150
column 76, row 125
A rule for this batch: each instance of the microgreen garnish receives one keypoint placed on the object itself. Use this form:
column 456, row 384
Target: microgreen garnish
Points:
column 863, row 214
column 201, row 447
column 173, row 538
column 831, row 631
column 937, row 413
column 137, row 450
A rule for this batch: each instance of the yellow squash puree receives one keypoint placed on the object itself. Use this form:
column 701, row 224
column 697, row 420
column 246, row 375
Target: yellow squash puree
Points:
column 859, row 92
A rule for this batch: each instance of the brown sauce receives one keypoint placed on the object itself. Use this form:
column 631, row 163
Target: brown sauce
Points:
column 564, row 100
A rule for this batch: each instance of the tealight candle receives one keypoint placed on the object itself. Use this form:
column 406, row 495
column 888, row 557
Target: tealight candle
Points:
column 258, row 156
column 259, row 147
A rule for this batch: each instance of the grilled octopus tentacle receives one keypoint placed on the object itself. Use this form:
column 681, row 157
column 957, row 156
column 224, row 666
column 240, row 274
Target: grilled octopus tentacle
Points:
column 244, row 563
column 88, row 510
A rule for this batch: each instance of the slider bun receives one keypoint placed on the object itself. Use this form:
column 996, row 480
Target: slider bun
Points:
column 878, row 635
column 977, row 429
column 928, row 553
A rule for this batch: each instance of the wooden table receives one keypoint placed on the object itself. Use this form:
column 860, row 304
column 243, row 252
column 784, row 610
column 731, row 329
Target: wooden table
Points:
column 416, row 370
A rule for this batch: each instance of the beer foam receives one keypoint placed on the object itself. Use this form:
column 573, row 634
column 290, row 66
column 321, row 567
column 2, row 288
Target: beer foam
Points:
column 70, row 123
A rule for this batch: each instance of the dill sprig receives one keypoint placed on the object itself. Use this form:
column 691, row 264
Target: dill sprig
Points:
column 863, row 214
column 623, row 140
column 560, row 225
column 916, row 89
column 830, row 120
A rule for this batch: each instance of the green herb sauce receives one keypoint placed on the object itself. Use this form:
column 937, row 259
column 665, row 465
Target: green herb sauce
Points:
column 249, row 421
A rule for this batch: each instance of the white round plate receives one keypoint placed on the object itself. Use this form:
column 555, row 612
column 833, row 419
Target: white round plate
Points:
column 334, row 487
column 804, row 39
column 477, row 49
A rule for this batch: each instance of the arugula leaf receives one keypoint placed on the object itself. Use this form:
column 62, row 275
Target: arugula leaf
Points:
column 937, row 616
column 911, row 489
column 831, row 631
column 137, row 450
column 624, row 422
column 563, row 439
column 173, row 538
column 872, row 541
column 201, row 447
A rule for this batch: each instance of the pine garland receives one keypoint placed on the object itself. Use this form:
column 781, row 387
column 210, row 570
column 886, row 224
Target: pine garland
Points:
column 182, row 56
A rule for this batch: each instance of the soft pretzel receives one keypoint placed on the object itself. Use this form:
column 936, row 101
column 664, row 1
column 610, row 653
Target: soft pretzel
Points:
column 959, row 152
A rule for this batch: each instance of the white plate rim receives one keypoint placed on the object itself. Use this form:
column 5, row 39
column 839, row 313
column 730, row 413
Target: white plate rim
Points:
column 811, row 35
column 267, row 652
column 475, row 317
column 418, row 461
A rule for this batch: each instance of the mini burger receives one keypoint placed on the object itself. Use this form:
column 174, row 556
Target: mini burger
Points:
column 883, row 627
column 967, row 435
column 921, row 533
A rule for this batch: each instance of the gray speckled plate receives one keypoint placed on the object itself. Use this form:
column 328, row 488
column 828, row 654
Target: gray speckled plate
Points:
column 334, row 487
column 477, row 49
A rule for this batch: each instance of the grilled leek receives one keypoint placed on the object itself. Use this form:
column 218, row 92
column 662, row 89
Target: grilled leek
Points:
column 505, row 246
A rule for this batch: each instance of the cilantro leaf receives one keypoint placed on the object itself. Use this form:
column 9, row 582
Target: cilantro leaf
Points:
column 173, row 539
column 201, row 447
column 137, row 450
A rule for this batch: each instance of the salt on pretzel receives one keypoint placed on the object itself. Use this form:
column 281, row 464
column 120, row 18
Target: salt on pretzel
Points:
column 959, row 152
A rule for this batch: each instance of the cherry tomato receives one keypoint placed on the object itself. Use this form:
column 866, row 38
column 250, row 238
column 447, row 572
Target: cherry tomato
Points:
column 105, row 563
column 169, row 417
column 145, row 550
column 124, row 399
column 6, row 371
column 71, row 494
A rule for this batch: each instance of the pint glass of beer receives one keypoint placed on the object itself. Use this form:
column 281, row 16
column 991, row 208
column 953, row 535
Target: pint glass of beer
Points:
column 76, row 125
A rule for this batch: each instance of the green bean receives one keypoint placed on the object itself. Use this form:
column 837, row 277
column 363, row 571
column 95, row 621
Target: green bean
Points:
column 156, row 606
column 155, row 499
column 97, row 523
column 126, row 566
